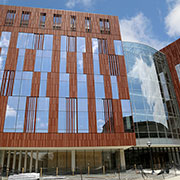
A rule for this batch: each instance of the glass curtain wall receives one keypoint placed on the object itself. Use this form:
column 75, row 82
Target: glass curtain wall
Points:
column 154, row 105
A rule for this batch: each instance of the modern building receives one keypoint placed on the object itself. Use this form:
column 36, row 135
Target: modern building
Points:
column 154, row 105
column 74, row 97
column 64, row 96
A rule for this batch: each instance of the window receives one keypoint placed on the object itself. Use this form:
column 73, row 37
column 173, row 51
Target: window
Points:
column 30, row 114
column 99, row 86
column 71, row 115
column 25, row 19
column 5, row 39
column 115, row 94
column 7, row 83
column 42, row 20
column 113, row 65
column 64, row 85
column 73, row 23
column 178, row 71
column 38, row 41
column 118, row 47
column 108, row 114
column 127, row 115
column 164, row 86
column 37, row 114
column 81, row 85
column 104, row 26
column 88, row 24
column 102, row 46
column 10, row 17
column 57, row 20
column 71, row 44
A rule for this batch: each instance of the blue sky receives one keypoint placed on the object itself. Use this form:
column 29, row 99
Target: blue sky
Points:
column 153, row 22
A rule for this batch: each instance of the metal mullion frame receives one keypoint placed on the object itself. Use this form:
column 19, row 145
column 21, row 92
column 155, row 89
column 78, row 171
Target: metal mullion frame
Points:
column 6, row 83
column 76, row 114
column 109, row 122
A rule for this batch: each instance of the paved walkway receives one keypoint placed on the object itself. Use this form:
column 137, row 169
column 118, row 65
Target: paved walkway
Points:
column 128, row 175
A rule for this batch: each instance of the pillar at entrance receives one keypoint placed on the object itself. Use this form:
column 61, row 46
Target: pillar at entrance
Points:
column 31, row 160
column 122, row 160
column 25, row 161
column 14, row 161
column 73, row 160
column 36, row 166
column 2, row 153
column 19, row 163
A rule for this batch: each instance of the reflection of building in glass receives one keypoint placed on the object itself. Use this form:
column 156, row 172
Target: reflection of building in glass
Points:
column 155, row 109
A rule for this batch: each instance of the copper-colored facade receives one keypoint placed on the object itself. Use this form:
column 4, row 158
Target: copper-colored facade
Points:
column 53, row 138
column 172, row 52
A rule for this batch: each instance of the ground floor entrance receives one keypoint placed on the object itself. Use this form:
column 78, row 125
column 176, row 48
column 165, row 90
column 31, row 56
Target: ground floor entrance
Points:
column 62, row 161
column 161, row 157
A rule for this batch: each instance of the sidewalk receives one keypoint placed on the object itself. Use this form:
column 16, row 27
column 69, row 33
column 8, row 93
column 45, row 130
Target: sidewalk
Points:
column 128, row 175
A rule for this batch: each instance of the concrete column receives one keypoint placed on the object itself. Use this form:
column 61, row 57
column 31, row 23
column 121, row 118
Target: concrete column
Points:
column 14, row 161
column 25, row 161
column 31, row 159
column 2, row 154
column 20, row 159
column 170, row 155
column 73, row 165
column 177, row 154
column 8, row 159
column 122, row 160
column 36, row 167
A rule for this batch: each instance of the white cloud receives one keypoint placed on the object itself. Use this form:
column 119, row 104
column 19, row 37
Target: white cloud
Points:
column 139, row 29
column 72, row 3
column 150, row 87
column 10, row 112
column 172, row 20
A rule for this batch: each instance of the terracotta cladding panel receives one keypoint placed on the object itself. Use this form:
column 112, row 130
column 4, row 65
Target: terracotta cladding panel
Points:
column 54, row 139
column 172, row 53
column 55, row 61
column 90, row 86
column 3, row 105
column 29, row 60
column 35, row 84
column 11, row 60
column 71, row 62
column 88, row 63
column 73, row 85
column 52, row 84
column 107, row 87
column 53, row 115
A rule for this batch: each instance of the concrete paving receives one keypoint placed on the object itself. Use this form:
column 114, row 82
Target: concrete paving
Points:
column 128, row 175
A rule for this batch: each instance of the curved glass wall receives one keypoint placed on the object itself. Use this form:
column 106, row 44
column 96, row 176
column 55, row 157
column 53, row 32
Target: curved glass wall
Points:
column 154, row 104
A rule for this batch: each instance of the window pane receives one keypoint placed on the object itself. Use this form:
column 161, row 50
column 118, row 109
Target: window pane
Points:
column 81, row 44
column 42, row 90
column 16, row 88
column 22, row 103
column 20, row 63
column 30, row 38
column 118, row 47
column 82, row 85
column 12, row 102
column 5, row 39
column 20, row 121
column 83, row 123
column 83, row 105
column 99, row 105
column 48, row 42
column 26, row 87
column 126, row 107
column 42, row 118
column 100, row 121
column 46, row 64
column 62, row 122
column 43, row 104
column 114, row 86
column 178, row 70
column 95, row 46
column 62, row 104
column 21, row 42
column 63, row 43
column 80, row 63
column 2, row 62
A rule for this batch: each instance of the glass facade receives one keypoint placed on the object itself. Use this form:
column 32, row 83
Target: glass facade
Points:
column 154, row 105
